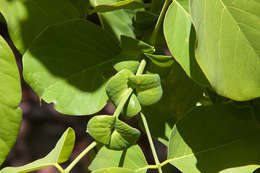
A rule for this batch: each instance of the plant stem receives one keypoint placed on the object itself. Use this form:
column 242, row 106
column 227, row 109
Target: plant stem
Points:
column 121, row 105
column 80, row 156
column 148, row 133
column 59, row 168
column 159, row 22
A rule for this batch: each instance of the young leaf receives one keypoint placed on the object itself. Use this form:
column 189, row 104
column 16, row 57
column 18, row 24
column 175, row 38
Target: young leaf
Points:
column 113, row 170
column 129, row 65
column 59, row 154
column 147, row 87
column 132, row 158
column 27, row 18
column 126, row 4
column 228, row 47
column 117, row 88
column 84, row 57
column 219, row 138
column 160, row 60
column 10, row 97
column 180, row 38
column 112, row 132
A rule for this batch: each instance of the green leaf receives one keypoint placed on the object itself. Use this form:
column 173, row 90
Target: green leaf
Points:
column 10, row 97
column 112, row 132
column 180, row 94
column 132, row 158
column 129, row 65
column 59, row 154
column 147, row 87
column 180, row 37
column 157, row 6
column 81, row 6
column 27, row 18
column 126, row 4
column 219, row 138
column 117, row 88
column 112, row 21
column 114, row 170
column 228, row 46
column 71, row 71
column 160, row 60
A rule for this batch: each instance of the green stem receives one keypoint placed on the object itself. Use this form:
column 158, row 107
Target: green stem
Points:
column 123, row 101
column 80, row 156
column 148, row 133
column 159, row 22
column 59, row 168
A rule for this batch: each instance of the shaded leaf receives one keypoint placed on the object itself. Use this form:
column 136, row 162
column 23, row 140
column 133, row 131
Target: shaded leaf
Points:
column 218, row 138
column 180, row 94
column 228, row 46
column 116, row 5
column 112, row 132
column 180, row 38
column 27, row 18
column 10, row 98
column 59, row 154
column 112, row 20
column 81, row 6
column 160, row 60
column 71, row 71
column 132, row 158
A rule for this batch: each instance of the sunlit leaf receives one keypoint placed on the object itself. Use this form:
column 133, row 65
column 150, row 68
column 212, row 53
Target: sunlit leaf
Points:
column 59, row 154
column 132, row 158
column 228, row 47
column 10, row 97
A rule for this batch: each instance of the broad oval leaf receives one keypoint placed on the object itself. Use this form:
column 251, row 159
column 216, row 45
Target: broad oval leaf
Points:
column 114, row 170
column 219, row 138
column 10, row 97
column 27, row 18
column 67, row 65
column 59, row 154
column 228, row 49
column 180, row 37
column 112, row 132
column 132, row 158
